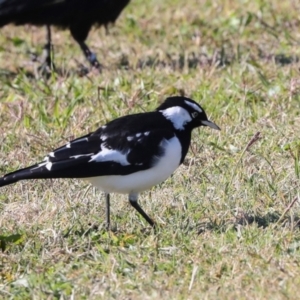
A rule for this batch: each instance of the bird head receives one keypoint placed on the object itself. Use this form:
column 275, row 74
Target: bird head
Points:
column 185, row 113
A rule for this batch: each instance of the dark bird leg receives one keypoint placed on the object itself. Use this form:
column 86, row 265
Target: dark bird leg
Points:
column 80, row 32
column 47, row 63
column 133, row 201
column 90, row 56
column 107, row 198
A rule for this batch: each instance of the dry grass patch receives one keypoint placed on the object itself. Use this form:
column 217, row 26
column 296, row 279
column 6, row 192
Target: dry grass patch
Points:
column 229, row 216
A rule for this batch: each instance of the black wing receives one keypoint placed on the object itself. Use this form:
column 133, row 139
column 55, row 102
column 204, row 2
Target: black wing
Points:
column 104, row 152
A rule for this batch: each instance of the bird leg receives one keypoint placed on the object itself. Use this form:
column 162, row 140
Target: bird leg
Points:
column 133, row 201
column 90, row 56
column 107, row 198
column 47, row 63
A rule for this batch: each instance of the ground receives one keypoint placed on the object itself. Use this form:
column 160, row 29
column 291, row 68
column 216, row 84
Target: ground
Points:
column 228, row 217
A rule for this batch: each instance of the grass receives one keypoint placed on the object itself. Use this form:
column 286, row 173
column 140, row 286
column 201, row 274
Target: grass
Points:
column 229, row 216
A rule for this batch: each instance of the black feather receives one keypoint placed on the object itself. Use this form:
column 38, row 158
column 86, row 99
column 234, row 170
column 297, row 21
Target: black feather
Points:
column 141, row 149
column 125, row 134
column 123, row 146
column 76, row 15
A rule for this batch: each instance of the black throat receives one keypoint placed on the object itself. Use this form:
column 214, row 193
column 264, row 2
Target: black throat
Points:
column 184, row 137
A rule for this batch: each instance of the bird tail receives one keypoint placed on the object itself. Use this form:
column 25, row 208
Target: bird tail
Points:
column 33, row 172
column 52, row 169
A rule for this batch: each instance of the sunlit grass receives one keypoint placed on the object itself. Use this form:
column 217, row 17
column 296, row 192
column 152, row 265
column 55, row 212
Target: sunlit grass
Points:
column 229, row 216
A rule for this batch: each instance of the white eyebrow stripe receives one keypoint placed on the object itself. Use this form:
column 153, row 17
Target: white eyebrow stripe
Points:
column 178, row 115
column 193, row 105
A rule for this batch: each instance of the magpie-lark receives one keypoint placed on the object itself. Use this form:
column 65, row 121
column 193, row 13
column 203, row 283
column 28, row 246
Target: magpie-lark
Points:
column 127, row 155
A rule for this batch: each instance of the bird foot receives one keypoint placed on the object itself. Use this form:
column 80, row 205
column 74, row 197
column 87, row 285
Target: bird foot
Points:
column 84, row 71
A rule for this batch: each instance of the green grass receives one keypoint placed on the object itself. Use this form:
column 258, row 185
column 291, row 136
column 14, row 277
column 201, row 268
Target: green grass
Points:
column 229, row 216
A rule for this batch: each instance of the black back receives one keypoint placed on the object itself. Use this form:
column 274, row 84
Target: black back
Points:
column 78, row 15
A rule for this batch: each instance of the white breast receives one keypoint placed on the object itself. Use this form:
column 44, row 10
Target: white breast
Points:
column 143, row 180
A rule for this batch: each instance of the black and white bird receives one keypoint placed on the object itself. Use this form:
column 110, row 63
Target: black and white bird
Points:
column 77, row 15
column 127, row 155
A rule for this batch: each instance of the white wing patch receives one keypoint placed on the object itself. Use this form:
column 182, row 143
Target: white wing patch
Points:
column 45, row 163
column 178, row 116
column 193, row 106
column 138, row 137
column 80, row 155
column 130, row 138
column 111, row 155
column 49, row 166
column 69, row 145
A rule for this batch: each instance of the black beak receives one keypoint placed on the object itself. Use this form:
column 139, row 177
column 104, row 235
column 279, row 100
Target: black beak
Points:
column 210, row 124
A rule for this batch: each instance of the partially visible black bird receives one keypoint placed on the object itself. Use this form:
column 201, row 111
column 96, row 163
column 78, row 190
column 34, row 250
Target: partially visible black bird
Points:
column 77, row 15
column 127, row 155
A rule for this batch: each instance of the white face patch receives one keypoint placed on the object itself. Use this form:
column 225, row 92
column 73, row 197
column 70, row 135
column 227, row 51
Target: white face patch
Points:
column 193, row 106
column 178, row 116
column 111, row 155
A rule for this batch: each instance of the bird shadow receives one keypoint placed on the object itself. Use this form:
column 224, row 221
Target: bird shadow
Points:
column 195, row 60
column 243, row 220
column 34, row 74
column 181, row 61
column 6, row 74
column 173, row 61
column 280, row 59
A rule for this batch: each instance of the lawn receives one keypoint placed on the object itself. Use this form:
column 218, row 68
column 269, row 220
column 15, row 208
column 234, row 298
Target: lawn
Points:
column 229, row 217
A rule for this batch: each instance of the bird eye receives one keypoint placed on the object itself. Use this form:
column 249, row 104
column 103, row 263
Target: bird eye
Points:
column 194, row 114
